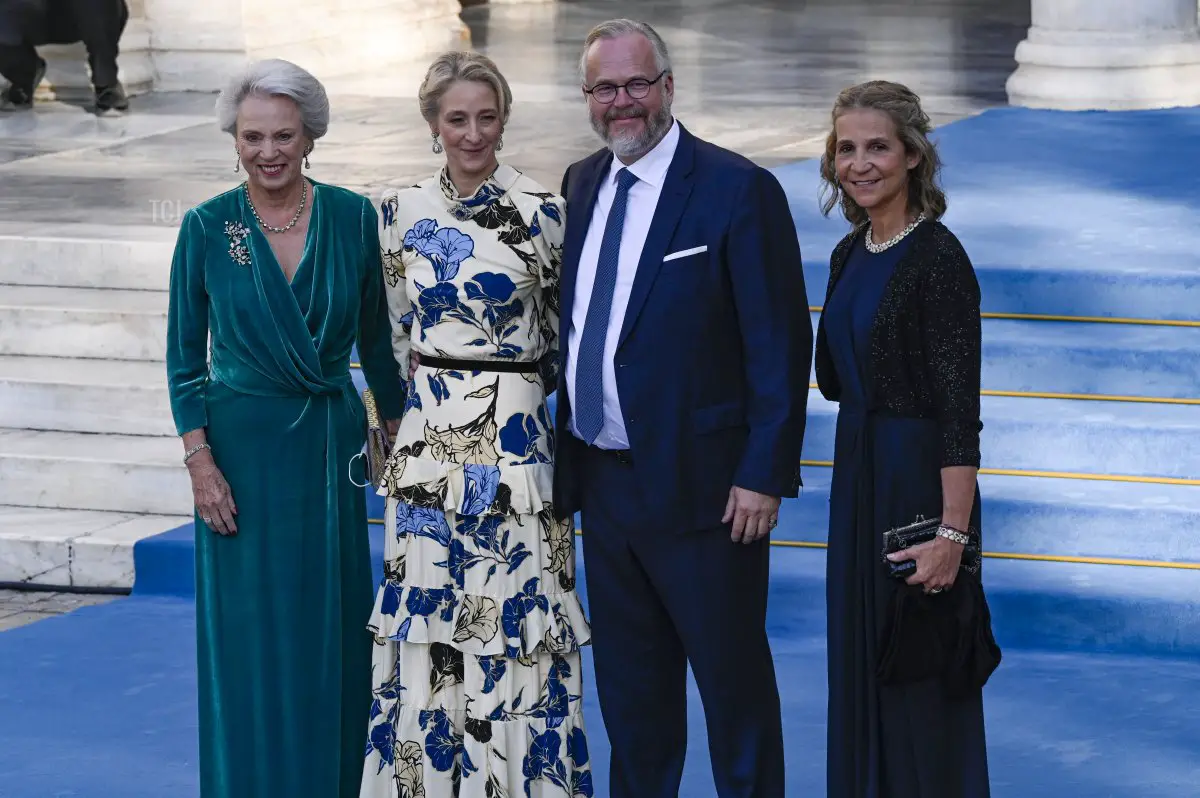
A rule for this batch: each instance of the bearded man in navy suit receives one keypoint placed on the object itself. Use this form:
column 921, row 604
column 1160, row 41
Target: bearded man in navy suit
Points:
column 686, row 347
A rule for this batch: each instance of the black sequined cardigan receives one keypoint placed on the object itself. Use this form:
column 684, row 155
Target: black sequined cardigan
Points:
column 925, row 342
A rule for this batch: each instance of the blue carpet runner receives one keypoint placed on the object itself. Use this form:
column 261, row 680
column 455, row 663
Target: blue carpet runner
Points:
column 1091, row 449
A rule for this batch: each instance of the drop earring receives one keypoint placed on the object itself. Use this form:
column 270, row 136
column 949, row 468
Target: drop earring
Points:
column 438, row 149
column 307, row 165
column 237, row 167
column 500, row 144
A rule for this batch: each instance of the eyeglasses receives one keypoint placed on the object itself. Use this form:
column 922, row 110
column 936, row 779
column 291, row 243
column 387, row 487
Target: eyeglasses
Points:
column 637, row 88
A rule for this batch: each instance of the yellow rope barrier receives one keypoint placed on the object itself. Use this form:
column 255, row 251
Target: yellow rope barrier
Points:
column 1083, row 397
column 1018, row 472
column 1003, row 555
column 1075, row 319
column 1088, row 397
column 999, row 555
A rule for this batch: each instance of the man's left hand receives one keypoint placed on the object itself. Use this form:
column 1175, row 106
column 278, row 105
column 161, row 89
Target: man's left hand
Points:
column 754, row 515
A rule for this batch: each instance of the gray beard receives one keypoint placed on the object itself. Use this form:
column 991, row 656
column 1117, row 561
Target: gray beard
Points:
column 627, row 146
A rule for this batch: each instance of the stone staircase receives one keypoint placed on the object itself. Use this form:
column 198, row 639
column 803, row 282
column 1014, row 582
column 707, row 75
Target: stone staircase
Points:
column 1091, row 374
column 89, row 463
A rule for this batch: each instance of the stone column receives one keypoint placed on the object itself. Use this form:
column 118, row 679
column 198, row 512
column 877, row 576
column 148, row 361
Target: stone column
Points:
column 1109, row 55
column 198, row 45
column 67, row 74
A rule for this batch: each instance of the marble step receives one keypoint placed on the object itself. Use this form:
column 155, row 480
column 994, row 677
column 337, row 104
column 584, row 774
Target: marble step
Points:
column 1137, row 288
column 90, row 258
column 81, row 471
column 1058, row 435
column 1051, row 232
column 1026, row 516
column 1089, row 358
column 74, row 548
column 1039, row 516
column 1116, row 438
column 102, row 323
column 125, row 397
column 1072, row 605
column 1051, row 606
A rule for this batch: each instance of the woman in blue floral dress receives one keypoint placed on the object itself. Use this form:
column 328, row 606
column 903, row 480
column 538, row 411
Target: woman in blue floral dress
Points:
column 478, row 689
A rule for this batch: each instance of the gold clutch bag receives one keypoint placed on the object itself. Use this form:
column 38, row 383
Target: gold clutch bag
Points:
column 377, row 441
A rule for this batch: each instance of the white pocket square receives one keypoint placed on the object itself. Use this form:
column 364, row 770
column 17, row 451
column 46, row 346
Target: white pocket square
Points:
column 683, row 253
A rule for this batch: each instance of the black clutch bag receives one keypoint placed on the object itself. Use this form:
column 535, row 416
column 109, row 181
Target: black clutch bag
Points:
column 920, row 531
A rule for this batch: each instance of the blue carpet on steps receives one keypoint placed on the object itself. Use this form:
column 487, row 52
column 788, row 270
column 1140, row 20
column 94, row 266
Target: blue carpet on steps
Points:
column 1054, row 208
column 100, row 703
column 1070, row 607
column 1060, row 517
column 1153, row 440
column 1087, row 358
column 1109, row 359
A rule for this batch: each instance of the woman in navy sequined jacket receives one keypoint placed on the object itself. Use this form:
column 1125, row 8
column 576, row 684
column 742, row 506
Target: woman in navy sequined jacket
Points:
column 898, row 347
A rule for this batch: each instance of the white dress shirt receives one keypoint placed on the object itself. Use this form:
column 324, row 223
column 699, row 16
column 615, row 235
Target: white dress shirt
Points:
column 651, row 172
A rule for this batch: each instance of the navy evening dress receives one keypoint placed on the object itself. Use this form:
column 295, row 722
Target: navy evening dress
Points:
column 905, row 741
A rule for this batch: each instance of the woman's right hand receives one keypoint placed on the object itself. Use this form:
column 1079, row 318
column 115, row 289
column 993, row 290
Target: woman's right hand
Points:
column 212, row 496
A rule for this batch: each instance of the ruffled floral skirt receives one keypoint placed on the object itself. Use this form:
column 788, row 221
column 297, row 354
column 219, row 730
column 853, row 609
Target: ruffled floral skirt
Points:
column 478, row 688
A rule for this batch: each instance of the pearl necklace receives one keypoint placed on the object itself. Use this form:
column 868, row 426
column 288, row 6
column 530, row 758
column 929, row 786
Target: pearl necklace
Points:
column 289, row 225
column 875, row 249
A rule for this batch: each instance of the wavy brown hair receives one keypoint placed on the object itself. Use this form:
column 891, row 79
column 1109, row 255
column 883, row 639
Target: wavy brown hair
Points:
column 903, row 107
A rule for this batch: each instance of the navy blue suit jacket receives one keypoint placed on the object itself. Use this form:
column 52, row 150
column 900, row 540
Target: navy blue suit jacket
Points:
column 713, row 360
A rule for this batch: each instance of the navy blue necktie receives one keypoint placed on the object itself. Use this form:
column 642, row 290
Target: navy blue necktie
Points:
column 589, row 368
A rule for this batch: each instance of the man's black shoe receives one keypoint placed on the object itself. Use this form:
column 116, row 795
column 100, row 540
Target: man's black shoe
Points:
column 15, row 98
column 111, row 98
column 20, row 98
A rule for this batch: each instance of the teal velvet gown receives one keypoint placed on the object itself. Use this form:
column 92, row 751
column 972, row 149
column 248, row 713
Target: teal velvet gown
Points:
column 284, row 658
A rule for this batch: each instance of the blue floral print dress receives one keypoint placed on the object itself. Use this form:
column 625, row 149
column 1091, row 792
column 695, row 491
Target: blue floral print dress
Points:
column 476, row 666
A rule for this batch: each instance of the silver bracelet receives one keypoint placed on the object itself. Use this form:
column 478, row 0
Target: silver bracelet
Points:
column 198, row 447
column 953, row 535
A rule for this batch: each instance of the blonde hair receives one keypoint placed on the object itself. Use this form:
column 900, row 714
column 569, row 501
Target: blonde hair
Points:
column 903, row 107
column 449, row 68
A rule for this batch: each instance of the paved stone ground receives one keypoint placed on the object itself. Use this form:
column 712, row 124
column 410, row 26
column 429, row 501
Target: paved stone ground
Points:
column 757, row 76
column 21, row 607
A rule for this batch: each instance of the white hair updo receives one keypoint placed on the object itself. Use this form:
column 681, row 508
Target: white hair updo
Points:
column 275, row 77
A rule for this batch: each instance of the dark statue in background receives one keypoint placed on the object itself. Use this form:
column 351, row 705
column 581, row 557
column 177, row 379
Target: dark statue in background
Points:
column 26, row 25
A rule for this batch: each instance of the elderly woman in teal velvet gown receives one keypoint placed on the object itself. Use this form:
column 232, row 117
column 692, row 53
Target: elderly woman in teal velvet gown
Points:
column 272, row 284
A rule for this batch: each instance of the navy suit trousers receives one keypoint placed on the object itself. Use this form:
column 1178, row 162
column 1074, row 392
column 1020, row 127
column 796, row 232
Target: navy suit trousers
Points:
column 661, row 599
